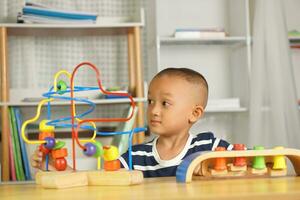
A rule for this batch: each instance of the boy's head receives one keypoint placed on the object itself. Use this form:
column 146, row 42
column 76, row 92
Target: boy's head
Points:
column 177, row 98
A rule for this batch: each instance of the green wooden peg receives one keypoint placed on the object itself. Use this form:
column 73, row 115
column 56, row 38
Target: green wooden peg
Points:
column 259, row 161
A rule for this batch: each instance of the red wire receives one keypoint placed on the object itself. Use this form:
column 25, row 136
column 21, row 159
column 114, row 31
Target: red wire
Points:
column 75, row 131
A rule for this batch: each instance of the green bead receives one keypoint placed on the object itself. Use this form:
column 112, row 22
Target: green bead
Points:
column 99, row 151
column 59, row 145
column 259, row 161
column 61, row 87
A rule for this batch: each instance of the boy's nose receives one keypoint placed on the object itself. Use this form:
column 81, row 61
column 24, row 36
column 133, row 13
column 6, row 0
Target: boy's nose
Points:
column 154, row 110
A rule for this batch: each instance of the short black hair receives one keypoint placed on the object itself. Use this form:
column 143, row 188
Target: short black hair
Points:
column 189, row 75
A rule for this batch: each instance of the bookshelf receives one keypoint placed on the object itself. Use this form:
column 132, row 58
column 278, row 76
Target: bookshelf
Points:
column 224, row 61
column 129, row 26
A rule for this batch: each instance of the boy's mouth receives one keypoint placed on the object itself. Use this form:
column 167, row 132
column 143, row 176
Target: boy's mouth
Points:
column 155, row 122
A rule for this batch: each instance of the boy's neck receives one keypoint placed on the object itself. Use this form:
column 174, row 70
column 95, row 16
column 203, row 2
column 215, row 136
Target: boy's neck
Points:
column 170, row 146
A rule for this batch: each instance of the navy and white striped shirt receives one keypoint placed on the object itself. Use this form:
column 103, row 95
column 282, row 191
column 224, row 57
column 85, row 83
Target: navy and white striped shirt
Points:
column 146, row 158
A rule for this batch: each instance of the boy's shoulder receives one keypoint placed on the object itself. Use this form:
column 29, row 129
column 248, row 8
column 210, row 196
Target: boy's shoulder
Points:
column 203, row 136
column 143, row 147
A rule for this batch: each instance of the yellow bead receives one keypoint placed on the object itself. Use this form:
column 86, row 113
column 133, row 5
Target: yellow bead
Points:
column 45, row 128
column 110, row 153
column 279, row 161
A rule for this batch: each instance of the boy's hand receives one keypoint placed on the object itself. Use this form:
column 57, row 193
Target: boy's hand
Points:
column 197, row 171
column 36, row 159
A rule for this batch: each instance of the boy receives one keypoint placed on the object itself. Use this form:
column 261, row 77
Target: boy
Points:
column 176, row 100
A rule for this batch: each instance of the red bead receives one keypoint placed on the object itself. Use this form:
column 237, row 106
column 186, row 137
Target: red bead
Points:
column 220, row 163
column 60, row 164
column 43, row 149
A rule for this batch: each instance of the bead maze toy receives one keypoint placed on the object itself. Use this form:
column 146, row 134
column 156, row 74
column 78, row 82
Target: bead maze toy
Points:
column 53, row 149
column 238, row 163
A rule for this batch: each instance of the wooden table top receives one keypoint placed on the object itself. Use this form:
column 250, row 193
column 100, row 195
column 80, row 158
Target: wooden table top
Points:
column 166, row 188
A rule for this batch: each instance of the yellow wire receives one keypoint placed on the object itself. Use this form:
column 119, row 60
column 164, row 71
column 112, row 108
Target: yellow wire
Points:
column 33, row 120
column 39, row 112
column 74, row 111
column 99, row 163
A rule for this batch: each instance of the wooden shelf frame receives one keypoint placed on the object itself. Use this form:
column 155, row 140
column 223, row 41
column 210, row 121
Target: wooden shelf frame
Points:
column 129, row 26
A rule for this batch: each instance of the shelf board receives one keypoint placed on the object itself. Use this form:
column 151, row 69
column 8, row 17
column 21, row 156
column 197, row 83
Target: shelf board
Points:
column 203, row 41
column 72, row 26
column 225, row 110
column 66, row 103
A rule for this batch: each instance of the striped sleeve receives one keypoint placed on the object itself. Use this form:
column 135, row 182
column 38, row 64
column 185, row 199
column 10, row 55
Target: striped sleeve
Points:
column 208, row 142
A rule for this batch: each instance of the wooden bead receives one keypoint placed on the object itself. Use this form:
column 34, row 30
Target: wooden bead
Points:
column 43, row 149
column 110, row 153
column 59, row 145
column 112, row 165
column 50, row 142
column 99, row 149
column 43, row 127
column 43, row 135
column 60, row 164
column 61, row 87
column 59, row 153
column 90, row 149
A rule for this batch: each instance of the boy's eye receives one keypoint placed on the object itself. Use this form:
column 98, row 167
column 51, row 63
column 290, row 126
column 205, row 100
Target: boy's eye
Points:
column 150, row 101
column 165, row 103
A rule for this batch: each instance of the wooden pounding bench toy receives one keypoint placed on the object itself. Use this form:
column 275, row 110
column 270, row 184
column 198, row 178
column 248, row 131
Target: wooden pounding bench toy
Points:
column 239, row 163
column 111, row 174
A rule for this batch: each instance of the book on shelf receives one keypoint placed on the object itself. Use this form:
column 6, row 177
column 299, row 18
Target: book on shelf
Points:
column 32, row 19
column 22, row 143
column 200, row 33
column 12, row 167
column 294, row 33
column 39, row 13
column 18, row 159
column 16, row 147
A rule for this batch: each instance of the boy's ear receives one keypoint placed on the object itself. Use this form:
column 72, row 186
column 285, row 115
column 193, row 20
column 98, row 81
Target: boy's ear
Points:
column 196, row 113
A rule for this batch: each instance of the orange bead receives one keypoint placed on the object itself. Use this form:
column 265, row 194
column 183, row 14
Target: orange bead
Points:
column 220, row 163
column 43, row 135
column 112, row 165
column 59, row 153
column 239, row 161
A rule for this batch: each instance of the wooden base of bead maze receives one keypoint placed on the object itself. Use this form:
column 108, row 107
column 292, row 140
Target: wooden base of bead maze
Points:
column 69, row 179
column 120, row 177
column 60, row 180
column 205, row 161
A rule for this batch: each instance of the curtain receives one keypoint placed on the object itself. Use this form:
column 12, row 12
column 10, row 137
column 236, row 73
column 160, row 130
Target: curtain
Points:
column 274, row 114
